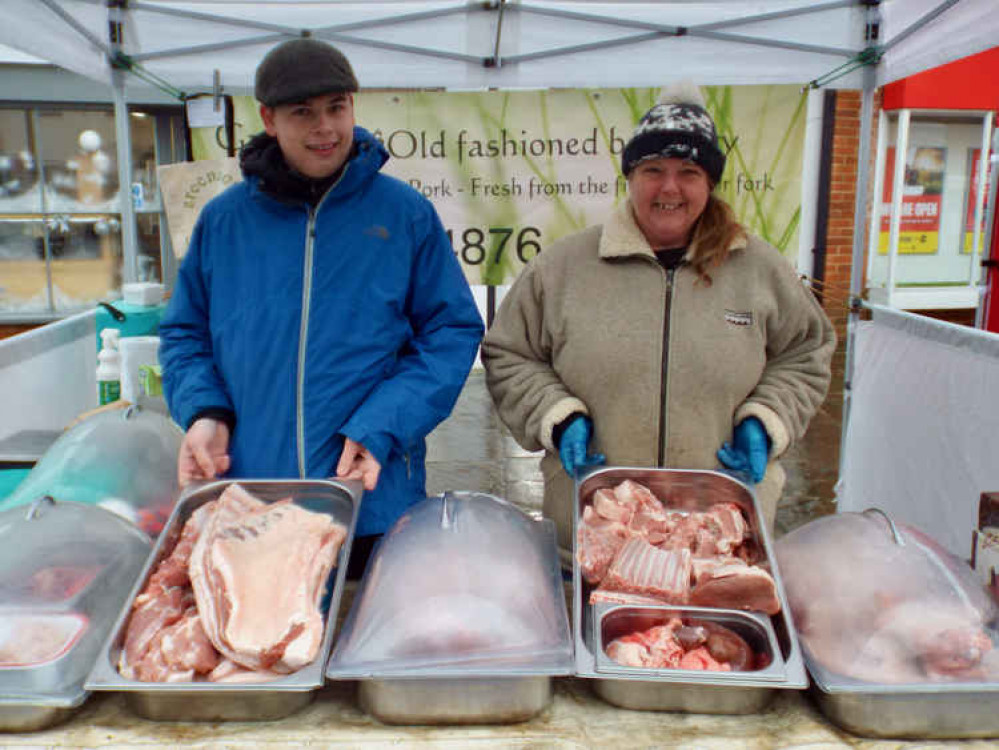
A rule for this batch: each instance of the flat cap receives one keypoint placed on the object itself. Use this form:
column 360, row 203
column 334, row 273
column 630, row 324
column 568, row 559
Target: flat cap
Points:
column 301, row 68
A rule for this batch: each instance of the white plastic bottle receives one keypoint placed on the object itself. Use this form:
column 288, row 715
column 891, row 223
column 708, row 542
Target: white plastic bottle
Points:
column 109, row 367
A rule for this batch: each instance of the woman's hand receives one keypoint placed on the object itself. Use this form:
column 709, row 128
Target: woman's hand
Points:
column 749, row 450
column 574, row 444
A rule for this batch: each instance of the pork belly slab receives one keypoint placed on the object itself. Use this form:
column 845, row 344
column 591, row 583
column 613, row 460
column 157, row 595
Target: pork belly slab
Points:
column 259, row 579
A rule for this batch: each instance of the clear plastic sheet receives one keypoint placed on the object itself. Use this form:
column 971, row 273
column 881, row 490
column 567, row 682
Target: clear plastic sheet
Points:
column 123, row 460
column 879, row 601
column 920, row 438
column 463, row 581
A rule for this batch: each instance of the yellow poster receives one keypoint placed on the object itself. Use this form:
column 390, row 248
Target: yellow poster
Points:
column 511, row 172
column 919, row 225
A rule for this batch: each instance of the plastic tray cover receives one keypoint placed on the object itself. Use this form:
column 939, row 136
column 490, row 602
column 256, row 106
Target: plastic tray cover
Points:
column 463, row 583
column 880, row 602
column 123, row 460
column 65, row 570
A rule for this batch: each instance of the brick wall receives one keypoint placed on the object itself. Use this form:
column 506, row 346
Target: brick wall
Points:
column 839, row 232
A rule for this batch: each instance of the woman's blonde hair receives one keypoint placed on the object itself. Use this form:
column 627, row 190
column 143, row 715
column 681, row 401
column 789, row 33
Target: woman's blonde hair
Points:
column 714, row 234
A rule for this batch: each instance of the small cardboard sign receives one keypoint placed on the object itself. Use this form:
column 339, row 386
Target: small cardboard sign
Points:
column 186, row 188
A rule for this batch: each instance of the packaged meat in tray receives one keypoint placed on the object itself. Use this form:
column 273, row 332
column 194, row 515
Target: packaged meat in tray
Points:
column 900, row 636
column 233, row 616
column 677, row 565
column 460, row 616
column 65, row 570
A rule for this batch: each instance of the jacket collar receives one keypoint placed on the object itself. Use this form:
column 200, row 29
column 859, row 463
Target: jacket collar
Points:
column 261, row 161
column 622, row 238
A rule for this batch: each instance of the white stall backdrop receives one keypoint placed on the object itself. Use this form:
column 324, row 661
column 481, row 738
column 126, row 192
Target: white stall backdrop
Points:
column 922, row 440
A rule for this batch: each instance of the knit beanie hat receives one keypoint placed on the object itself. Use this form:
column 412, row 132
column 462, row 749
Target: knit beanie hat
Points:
column 677, row 126
column 302, row 68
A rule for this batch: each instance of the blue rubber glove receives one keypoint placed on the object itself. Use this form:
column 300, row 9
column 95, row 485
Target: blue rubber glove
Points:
column 749, row 450
column 573, row 446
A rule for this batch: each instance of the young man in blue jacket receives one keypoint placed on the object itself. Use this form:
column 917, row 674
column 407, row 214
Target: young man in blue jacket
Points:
column 320, row 324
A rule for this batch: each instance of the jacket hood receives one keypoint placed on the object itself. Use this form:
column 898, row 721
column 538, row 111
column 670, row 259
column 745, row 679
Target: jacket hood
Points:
column 262, row 161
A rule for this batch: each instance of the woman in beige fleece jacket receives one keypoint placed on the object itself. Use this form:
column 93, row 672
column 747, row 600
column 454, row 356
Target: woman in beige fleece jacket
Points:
column 661, row 335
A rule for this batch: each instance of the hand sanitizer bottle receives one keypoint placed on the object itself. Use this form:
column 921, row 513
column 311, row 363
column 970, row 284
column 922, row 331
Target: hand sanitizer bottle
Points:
column 109, row 367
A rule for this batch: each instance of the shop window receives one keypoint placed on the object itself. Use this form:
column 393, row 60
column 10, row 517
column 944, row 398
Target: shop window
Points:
column 23, row 271
column 925, row 247
column 20, row 191
column 60, row 221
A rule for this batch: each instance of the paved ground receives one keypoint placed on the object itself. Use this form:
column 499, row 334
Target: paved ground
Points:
column 472, row 450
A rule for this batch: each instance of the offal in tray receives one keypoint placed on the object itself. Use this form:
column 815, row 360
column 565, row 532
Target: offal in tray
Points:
column 633, row 550
column 238, row 598
column 686, row 643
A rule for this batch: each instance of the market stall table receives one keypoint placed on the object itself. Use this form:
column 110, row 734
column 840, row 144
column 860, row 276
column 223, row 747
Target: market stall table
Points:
column 577, row 718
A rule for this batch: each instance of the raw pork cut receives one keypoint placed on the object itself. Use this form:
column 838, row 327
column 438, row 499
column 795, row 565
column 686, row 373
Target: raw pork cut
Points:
column 258, row 579
column 640, row 568
column 735, row 585
column 680, row 644
column 237, row 599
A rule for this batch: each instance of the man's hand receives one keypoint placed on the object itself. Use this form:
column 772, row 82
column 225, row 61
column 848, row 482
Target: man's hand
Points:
column 204, row 452
column 357, row 463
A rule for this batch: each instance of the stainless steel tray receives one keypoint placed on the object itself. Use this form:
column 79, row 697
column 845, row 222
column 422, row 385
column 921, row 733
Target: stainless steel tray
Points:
column 954, row 710
column 684, row 690
column 30, row 717
column 37, row 696
column 492, row 700
column 203, row 701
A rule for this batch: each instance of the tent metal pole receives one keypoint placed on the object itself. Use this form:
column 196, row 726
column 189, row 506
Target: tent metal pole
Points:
column 776, row 43
column 813, row 8
column 212, row 17
column 857, row 259
column 123, row 148
column 650, row 26
column 334, row 36
column 77, row 26
column 362, row 42
column 707, row 31
column 918, row 24
column 282, row 29
column 123, row 139
column 214, row 47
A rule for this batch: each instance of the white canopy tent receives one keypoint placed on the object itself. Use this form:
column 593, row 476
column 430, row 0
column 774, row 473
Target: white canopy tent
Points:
column 196, row 46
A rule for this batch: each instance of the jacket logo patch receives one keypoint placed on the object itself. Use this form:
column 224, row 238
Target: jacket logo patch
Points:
column 739, row 318
column 377, row 230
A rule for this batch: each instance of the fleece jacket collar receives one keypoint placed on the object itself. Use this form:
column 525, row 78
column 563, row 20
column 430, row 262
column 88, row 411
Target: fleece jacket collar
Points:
column 622, row 237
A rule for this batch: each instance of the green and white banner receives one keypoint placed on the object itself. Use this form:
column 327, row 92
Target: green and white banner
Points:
column 511, row 171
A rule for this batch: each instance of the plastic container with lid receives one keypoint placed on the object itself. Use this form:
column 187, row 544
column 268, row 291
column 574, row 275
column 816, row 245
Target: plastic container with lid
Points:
column 900, row 636
column 124, row 459
column 460, row 617
column 65, row 571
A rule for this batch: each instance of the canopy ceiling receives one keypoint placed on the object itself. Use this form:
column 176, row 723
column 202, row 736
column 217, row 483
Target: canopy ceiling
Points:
column 513, row 44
